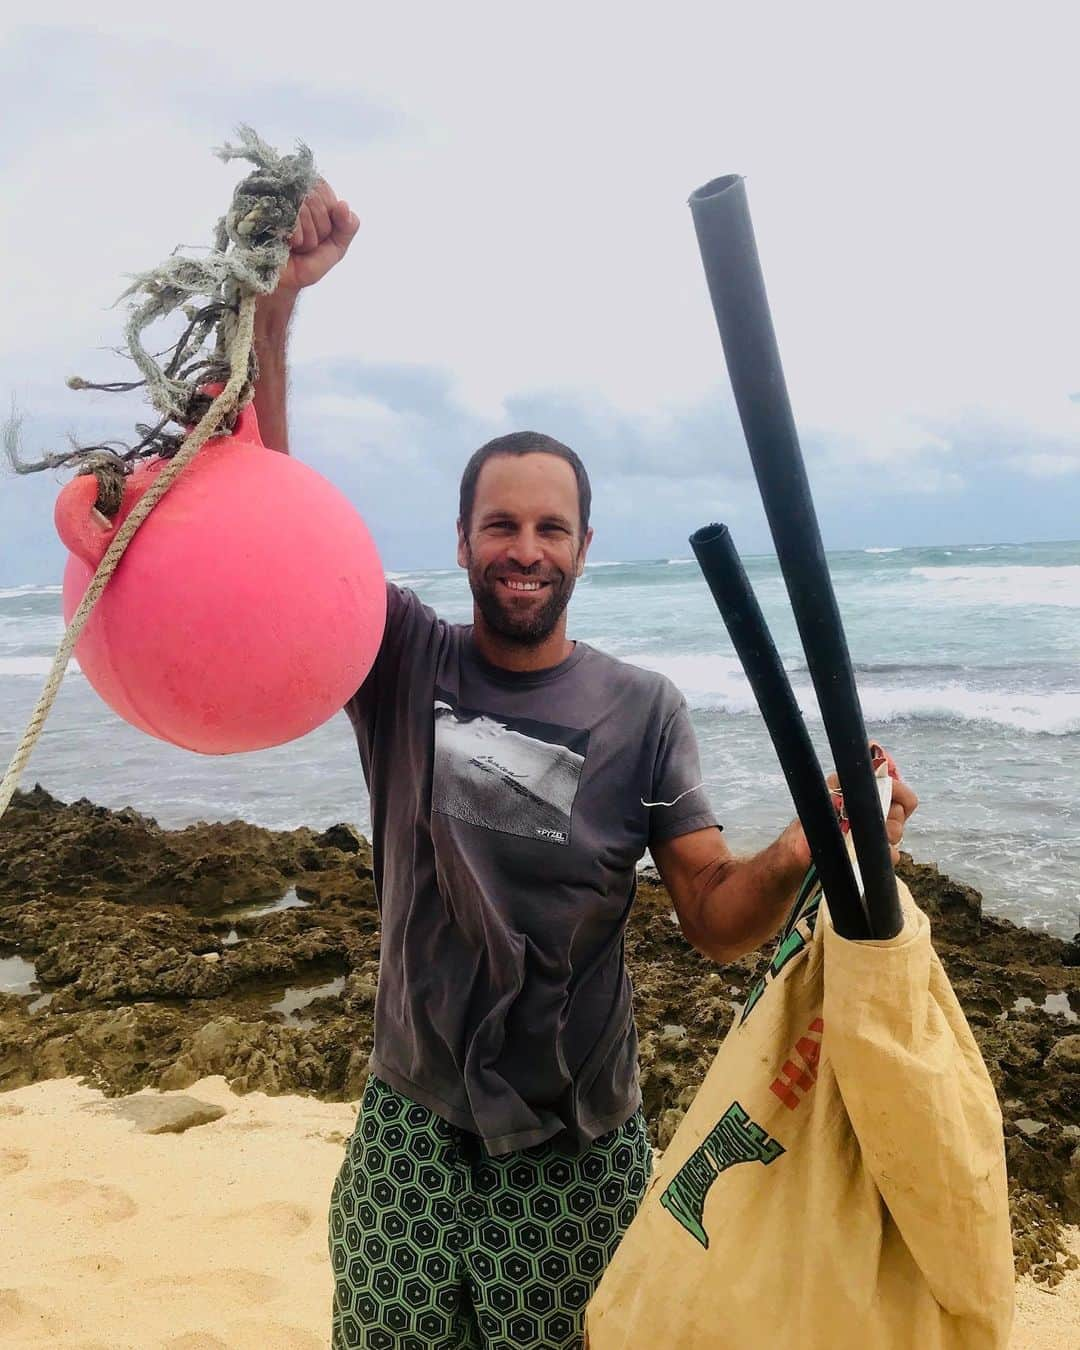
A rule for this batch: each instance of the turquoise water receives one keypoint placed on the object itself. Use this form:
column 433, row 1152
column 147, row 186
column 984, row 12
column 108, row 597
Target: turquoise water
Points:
column 968, row 662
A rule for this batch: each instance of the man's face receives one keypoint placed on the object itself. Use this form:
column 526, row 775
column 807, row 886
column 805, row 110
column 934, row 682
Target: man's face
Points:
column 524, row 549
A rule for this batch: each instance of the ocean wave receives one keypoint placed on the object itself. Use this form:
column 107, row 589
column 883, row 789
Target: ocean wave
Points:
column 1004, row 586
column 1051, row 714
column 718, row 684
column 898, row 667
column 32, row 665
column 715, row 683
column 422, row 574
column 881, row 550
column 19, row 592
column 906, row 667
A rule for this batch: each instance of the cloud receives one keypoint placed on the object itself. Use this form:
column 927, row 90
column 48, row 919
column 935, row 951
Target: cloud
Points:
column 981, row 444
column 394, row 439
column 527, row 258
column 60, row 78
column 1048, row 466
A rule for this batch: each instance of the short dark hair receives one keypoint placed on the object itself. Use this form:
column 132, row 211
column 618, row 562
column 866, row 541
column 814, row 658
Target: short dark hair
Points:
column 522, row 443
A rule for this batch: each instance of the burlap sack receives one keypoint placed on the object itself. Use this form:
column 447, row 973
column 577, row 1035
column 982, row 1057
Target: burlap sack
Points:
column 840, row 1178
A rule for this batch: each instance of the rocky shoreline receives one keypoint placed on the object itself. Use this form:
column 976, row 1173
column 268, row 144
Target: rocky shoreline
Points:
column 140, row 957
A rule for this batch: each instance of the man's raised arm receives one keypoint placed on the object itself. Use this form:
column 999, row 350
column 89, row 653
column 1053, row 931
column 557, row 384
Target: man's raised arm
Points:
column 324, row 230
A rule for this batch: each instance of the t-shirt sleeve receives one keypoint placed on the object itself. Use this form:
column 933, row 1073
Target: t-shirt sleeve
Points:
column 678, row 803
column 408, row 624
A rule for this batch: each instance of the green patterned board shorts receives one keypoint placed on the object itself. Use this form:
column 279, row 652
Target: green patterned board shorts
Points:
column 437, row 1246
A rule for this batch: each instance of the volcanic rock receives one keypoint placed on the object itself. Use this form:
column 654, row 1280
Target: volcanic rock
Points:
column 161, row 954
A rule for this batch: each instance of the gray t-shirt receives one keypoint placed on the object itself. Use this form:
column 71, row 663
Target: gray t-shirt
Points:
column 508, row 811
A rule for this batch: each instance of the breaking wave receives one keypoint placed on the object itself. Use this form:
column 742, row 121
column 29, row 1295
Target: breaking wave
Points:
column 1003, row 586
column 32, row 665
column 20, row 592
column 717, row 684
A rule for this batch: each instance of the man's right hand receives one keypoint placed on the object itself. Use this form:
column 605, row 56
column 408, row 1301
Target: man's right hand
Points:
column 325, row 227
column 324, row 230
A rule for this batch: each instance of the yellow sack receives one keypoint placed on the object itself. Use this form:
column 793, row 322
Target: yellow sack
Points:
column 839, row 1181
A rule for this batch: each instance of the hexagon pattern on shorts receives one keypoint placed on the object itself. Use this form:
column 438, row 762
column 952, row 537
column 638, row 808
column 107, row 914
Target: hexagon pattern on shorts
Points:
column 436, row 1246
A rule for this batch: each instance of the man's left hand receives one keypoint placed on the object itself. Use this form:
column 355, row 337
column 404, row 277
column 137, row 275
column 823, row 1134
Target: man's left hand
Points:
column 904, row 802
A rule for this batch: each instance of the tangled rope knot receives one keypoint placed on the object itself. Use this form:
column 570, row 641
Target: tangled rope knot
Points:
column 251, row 246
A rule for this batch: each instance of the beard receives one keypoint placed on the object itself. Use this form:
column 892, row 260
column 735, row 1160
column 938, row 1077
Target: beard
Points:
column 532, row 624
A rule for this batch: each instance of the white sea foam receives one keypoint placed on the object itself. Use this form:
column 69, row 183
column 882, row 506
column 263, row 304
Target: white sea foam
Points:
column 16, row 592
column 717, row 684
column 881, row 550
column 32, row 665
column 1054, row 714
column 422, row 575
column 1010, row 586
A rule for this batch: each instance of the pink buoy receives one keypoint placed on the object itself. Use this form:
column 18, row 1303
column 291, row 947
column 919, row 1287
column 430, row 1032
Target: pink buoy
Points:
column 247, row 609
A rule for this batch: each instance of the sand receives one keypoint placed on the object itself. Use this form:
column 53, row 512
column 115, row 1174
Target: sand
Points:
column 213, row 1238
column 1049, row 1319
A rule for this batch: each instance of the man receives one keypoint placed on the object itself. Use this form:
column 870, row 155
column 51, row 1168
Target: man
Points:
column 516, row 778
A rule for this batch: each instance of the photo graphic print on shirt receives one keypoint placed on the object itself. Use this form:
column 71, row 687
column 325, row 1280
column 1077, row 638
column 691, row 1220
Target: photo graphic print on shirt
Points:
column 506, row 773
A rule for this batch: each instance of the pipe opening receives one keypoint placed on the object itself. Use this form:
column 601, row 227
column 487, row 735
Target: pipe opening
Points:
column 716, row 187
column 708, row 534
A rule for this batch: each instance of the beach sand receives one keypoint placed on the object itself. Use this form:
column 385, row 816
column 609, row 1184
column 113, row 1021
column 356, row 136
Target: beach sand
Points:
column 213, row 1238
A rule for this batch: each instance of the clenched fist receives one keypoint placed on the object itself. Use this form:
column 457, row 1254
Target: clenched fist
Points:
column 324, row 230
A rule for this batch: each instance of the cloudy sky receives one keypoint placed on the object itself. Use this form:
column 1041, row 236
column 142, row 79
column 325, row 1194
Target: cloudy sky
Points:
column 527, row 259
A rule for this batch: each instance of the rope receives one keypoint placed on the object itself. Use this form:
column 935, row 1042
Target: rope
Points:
column 222, row 406
column 250, row 248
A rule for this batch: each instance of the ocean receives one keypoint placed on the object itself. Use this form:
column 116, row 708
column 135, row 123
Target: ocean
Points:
column 967, row 659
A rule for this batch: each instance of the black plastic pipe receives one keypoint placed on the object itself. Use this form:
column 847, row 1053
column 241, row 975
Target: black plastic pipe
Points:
column 735, row 599
column 737, row 287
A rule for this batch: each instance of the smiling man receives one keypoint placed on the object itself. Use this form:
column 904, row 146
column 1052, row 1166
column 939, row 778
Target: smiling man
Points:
column 542, row 510
column 516, row 778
